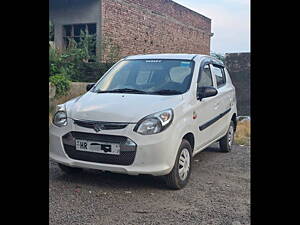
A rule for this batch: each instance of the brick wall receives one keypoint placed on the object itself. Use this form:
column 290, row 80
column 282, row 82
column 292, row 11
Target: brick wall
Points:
column 156, row 26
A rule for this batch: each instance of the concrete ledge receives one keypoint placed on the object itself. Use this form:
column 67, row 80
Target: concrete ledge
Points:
column 76, row 89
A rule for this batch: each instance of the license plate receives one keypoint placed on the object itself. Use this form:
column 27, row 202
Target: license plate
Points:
column 98, row 147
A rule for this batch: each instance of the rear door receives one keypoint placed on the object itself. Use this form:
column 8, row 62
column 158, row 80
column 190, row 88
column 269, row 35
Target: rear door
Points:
column 223, row 99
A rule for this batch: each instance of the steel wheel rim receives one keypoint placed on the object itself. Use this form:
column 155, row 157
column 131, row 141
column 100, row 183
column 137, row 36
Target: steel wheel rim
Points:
column 184, row 164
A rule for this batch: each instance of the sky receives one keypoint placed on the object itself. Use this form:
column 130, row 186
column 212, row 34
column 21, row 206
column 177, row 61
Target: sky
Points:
column 230, row 23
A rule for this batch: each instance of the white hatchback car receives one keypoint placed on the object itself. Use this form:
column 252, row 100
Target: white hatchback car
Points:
column 149, row 114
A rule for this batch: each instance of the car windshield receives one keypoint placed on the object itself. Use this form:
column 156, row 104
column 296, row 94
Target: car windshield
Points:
column 161, row 77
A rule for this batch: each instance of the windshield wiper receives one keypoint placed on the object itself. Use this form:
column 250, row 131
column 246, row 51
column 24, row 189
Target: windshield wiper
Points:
column 135, row 91
column 166, row 92
column 123, row 90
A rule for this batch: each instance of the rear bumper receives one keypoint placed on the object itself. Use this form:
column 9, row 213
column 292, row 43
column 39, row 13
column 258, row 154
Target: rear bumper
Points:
column 155, row 154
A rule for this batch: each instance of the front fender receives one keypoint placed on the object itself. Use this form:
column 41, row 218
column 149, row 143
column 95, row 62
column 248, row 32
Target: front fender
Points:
column 182, row 126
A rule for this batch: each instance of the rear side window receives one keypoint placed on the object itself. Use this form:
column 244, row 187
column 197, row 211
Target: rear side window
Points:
column 220, row 76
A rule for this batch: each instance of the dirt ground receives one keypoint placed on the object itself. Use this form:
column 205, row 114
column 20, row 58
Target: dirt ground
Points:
column 218, row 193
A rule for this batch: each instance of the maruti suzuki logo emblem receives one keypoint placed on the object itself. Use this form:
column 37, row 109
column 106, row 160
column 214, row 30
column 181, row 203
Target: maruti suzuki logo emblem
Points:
column 97, row 127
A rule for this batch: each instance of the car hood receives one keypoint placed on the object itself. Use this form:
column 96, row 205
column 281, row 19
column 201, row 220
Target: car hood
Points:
column 117, row 107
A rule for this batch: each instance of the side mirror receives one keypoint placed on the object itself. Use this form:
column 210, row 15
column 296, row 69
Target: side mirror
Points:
column 204, row 92
column 89, row 86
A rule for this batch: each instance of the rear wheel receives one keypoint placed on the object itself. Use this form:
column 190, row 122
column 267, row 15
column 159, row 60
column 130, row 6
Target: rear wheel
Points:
column 227, row 141
column 181, row 171
column 68, row 169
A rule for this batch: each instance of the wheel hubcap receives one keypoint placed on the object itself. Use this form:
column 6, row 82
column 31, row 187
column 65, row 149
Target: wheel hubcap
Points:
column 184, row 164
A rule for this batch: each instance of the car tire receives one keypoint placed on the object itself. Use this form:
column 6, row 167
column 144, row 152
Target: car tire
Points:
column 227, row 141
column 68, row 169
column 176, row 179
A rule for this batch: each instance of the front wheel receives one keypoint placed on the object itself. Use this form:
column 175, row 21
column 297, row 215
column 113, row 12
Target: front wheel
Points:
column 227, row 141
column 181, row 171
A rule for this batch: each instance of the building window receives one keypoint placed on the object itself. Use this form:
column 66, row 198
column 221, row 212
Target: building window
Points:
column 73, row 31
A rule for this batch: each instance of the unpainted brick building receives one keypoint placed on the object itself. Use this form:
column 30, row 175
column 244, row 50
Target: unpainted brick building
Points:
column 132, row 26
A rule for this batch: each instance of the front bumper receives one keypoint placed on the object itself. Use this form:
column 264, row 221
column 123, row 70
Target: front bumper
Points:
column 153, row 154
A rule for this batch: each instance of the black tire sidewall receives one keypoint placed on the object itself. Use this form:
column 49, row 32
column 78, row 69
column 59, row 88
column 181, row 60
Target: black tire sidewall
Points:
column 178, row 183
column 224, row 145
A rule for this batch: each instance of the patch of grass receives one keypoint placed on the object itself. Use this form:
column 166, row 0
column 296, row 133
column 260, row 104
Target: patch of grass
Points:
column 242, row 134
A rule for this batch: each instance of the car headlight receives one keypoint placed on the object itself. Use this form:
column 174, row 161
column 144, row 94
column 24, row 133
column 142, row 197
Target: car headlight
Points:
column 60, row 117
column 154, row 123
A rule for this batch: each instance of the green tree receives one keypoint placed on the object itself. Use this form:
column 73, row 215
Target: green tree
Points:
column 77, row 62
column 61, row 83
column 218, row 56
column 67, row 62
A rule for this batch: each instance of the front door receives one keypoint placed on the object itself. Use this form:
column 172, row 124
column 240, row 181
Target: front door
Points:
column 206, row 109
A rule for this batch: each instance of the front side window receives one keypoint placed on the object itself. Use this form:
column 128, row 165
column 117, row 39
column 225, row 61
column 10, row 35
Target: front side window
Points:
column 220, row 76
column 164, row 77
column 205, row 77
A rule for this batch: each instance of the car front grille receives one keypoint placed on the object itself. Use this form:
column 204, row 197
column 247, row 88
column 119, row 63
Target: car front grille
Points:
column 100, row 124
column 127, row 151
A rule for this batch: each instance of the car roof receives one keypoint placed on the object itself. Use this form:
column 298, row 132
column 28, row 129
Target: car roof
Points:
column 173, row 56
column 163, row 56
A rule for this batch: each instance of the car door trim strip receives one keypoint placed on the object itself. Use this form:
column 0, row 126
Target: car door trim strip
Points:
column 207, row 124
